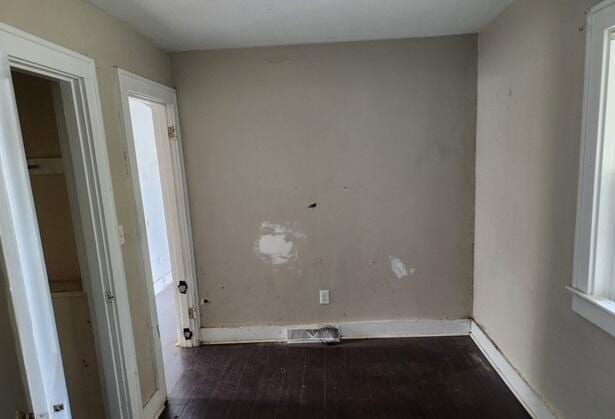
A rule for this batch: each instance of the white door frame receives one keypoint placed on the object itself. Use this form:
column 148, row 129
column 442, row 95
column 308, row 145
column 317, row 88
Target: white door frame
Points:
column 106, row 283
column 179, row 230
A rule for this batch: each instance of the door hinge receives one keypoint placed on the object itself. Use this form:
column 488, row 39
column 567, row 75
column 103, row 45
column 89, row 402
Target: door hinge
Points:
column 172, row 132
column 192, row 313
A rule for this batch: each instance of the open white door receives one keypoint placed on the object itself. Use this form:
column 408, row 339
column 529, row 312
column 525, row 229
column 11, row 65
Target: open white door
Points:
column 175, row 196
column 25, row 266
column 162, row 103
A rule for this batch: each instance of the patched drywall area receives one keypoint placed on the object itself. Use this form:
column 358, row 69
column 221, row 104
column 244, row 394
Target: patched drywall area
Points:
column 530, row 90
column 399, row 268
column 347, row 167
column 277, row 244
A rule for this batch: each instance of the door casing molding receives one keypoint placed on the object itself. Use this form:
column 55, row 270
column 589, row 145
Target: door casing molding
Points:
column 105, row 283
column 179, row 229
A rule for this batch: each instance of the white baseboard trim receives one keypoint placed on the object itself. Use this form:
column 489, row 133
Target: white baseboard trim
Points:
column 348, row 330
column 532, row 402
column 404, row 328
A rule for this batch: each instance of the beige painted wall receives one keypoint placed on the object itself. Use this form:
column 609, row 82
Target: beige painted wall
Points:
column 83, row 28
column 39, row 132
column 379, row 134
column 530, row 88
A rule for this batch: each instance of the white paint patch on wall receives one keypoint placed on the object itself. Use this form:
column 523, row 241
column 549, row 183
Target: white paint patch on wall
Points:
column 399, row 268
column 277, row 248
column 276, row 244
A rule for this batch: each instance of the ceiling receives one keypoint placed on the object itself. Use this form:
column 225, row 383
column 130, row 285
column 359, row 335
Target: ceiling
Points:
column 181, row 25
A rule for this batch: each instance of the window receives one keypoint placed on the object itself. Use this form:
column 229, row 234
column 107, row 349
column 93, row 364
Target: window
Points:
column 593, row 286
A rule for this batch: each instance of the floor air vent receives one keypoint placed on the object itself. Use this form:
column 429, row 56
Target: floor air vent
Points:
column 326, row 334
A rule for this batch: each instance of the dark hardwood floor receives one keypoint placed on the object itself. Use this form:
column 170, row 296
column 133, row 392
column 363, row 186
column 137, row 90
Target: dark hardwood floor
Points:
column 441, row 377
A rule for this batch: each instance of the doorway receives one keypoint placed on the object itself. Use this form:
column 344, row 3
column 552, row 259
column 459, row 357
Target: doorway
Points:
column 146, row 119
column 45, row 144
column 78, row 171
column 156, row 167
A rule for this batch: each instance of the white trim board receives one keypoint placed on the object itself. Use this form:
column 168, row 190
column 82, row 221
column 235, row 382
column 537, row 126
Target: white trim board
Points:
column 349, row 330
column 532, row 402
column 598, row 310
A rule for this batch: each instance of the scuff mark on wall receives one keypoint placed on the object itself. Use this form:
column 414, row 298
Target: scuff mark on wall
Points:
column 399, row 268
column 277, row 243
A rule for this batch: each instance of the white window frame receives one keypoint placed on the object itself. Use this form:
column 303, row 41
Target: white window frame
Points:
column 593, row 287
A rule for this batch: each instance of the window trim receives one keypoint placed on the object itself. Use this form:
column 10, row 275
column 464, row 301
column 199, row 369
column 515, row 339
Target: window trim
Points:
column 593, row 283
column 598, row 310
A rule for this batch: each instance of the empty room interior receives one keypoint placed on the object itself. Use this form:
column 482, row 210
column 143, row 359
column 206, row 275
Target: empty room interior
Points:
column 307, row 209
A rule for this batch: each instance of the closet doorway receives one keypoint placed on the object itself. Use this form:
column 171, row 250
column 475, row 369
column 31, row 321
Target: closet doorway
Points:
column 62, row 273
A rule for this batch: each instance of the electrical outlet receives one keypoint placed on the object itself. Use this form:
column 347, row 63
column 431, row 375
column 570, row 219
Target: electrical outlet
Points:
column 324, row 296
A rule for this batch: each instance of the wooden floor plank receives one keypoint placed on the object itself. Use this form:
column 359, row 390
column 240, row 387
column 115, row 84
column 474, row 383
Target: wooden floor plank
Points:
column 248, row 386
column 289, row 403
column 211, row 372
column 336, row 385
column 226, row 392
column 313, row 386
column 359, row 396
column 270, row 384
column 379, row 382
